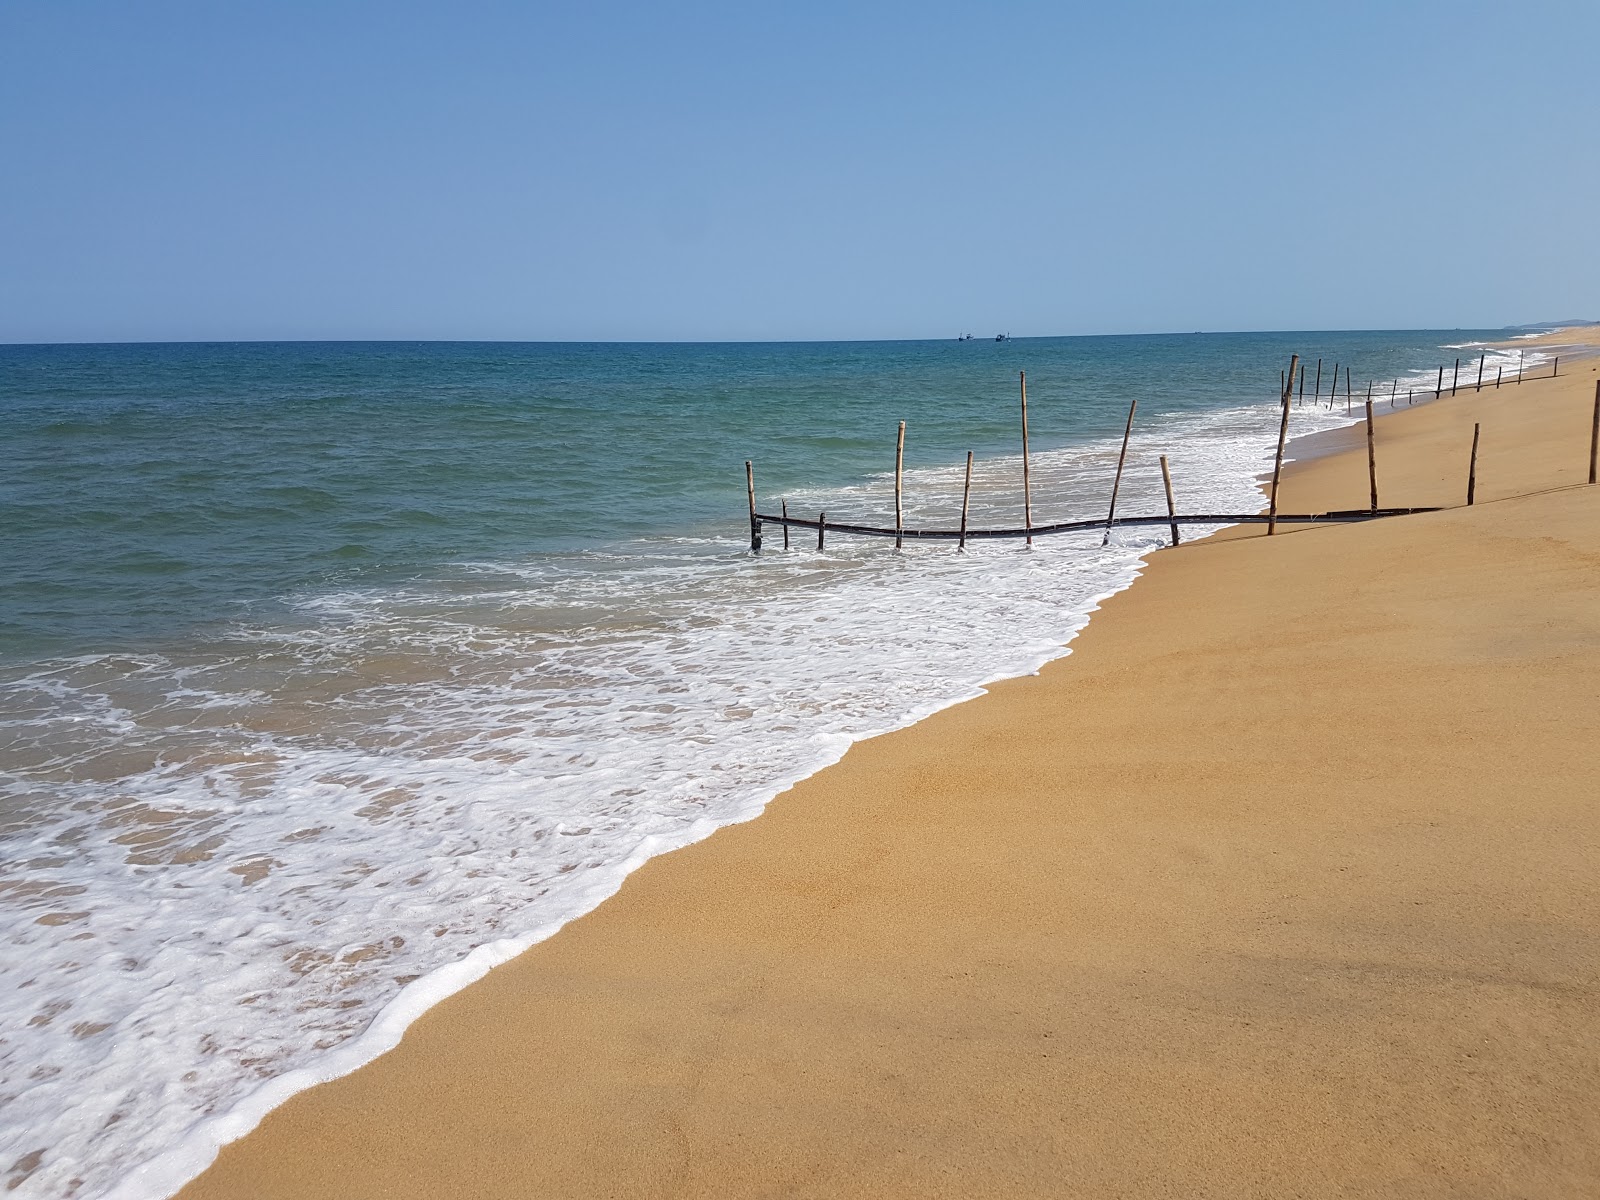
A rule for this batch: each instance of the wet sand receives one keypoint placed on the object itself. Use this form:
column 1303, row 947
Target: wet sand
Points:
column 1286, row 882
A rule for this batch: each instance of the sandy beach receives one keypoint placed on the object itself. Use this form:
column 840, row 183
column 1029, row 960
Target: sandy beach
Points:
column 1282, row 883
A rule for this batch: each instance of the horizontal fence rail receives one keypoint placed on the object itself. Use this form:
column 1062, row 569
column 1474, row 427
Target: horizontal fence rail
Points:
column 1096, row 523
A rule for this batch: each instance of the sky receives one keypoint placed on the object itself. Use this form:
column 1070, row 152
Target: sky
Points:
column 616, row 171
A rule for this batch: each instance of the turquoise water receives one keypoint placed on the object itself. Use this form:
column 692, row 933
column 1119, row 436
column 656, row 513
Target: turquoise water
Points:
column 151, row 487
column 331, row 674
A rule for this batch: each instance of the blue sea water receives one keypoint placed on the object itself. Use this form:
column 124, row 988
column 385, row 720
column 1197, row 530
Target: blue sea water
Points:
column 333, row 673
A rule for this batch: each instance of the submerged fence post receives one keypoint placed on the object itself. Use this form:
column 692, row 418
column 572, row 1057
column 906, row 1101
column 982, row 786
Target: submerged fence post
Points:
column 1317, row 393
column 899, row 468
column 1277, row 467
column 1027, row 498
column 1333, row 387
column 822, row 528
column 1117, row 482
column 1172, row 512
column 966, row 494
column 755, row 524
column 1472, row 466
column 1372, row 459
column 1302, row 383
column 1594, row 433
column 785, row 524
column 1346, row 391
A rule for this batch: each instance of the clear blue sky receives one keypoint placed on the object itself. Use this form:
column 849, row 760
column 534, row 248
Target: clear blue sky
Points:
column 605, row 171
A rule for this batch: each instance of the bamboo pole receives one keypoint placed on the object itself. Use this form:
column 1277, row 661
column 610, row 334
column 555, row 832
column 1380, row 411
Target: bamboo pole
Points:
column 1594, row 434
column 1027, row 496
column 899, row 471
column 1481, row 359
column 1277, row 467
column 1472, row 466
column 966, row 495
column 1172, row 512
column 785, row 524
column 1372, row 459
column 750, row 488
column 1116, row 483
column 822, row 530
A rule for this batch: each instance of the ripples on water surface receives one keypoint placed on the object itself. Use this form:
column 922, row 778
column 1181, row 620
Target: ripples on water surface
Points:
column 323, row 665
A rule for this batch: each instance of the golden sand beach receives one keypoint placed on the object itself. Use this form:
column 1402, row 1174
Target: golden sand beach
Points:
column 1286, row 882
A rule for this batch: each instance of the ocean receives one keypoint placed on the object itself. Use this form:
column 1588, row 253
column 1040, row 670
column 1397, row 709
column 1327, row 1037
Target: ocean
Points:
column 332, row 674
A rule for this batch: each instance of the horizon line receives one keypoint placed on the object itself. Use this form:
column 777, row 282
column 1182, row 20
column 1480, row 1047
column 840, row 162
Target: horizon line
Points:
column 1549, row 326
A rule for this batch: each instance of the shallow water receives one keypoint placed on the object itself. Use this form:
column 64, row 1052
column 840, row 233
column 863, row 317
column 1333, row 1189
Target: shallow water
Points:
column 332, row 673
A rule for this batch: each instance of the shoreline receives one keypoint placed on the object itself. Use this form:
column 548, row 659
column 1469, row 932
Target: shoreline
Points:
column 1299, row 476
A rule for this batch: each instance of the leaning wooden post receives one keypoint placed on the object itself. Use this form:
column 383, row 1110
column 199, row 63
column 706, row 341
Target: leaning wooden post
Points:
column 1555, row 367
column 1521, row 358
column 966, row 495
column 899, row 470
column 1438, row 387
column 1455, row 378
column 822, row 529
column 1369, row 392
column 1334, row 387
column 1481, row 359
column 1393, row 388
column 1472, row 466
column 1346, row 391
column 1277, row 470
column 1498, row 372
column 1594, row 433
column 785, row 524
column 1316, row 393
column 1172, row 512
column 1027, row 498
column 755, row 524
column 1372, row 459
column 1122, row 458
